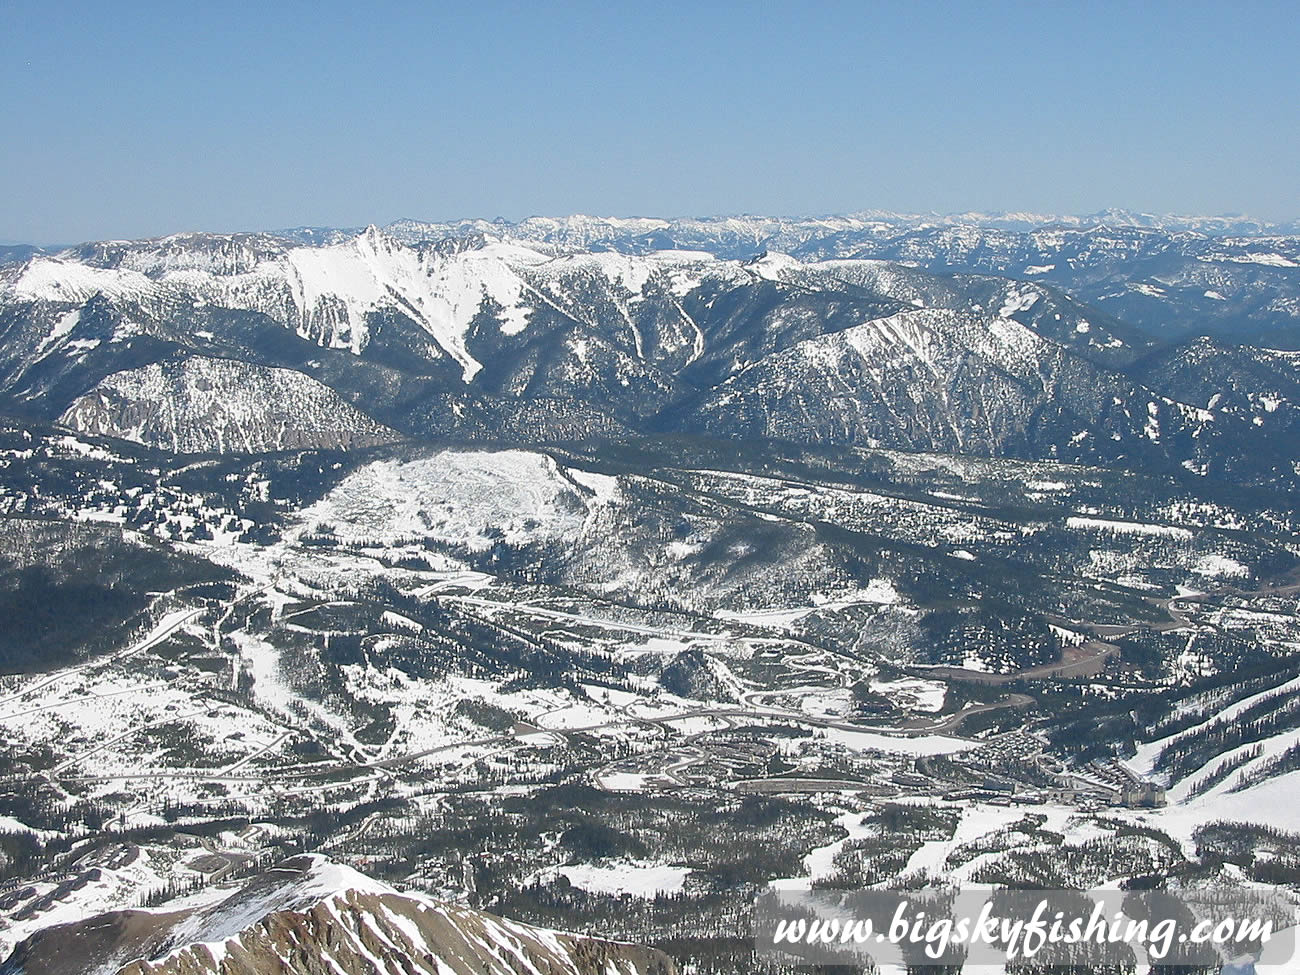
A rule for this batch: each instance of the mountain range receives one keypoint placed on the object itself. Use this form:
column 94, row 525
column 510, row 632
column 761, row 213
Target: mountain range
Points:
column 1071, row 342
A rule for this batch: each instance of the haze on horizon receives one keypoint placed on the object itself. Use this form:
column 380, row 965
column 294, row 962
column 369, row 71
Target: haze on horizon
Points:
column 144, row 119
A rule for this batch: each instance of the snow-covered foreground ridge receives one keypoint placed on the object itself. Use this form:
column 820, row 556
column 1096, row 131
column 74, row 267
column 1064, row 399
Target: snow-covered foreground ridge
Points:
column 311, row 915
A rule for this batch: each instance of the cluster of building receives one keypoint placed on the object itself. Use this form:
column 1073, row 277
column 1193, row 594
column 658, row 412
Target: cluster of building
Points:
column 1116, row 784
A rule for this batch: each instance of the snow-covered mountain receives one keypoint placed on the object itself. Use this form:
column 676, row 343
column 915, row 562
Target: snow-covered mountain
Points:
column 308, row 915
column 939, row 379
column 257, row 342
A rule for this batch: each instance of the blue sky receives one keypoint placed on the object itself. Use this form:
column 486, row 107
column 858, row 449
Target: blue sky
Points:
column 137, row 119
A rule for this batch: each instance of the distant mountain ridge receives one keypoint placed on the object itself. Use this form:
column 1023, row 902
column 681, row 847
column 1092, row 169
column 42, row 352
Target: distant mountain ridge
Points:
column 583, row 229
column 537, row 227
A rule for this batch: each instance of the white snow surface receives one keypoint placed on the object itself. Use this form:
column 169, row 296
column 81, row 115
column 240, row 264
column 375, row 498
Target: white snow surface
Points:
column 462, row 497
column 636, row 877
column 443, row 294
column 1220, row 566
column 1080, row 523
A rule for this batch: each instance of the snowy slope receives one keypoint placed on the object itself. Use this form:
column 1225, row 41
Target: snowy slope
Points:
column 462, row 498
column 936, row 379
column 202, row 405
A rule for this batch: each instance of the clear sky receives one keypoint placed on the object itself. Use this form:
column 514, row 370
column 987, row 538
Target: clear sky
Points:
column 136, row 118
